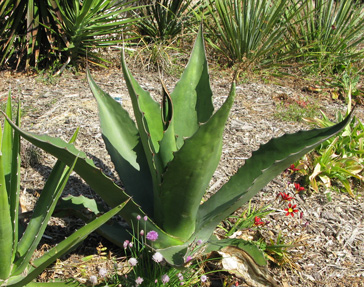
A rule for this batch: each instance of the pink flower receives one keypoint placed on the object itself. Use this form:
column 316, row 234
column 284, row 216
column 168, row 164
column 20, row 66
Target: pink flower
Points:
column 141, row 232
column 188, row 259
column 145, row 218
column 152, row 235
column 180, row 276
column 133, row 261
column 157, row 257
column 138, row 217
column 126, row 243
column 139, row 280
column 165, row 279
column 203, row 278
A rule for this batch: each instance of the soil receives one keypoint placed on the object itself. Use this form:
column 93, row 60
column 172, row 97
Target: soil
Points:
column 327, row 239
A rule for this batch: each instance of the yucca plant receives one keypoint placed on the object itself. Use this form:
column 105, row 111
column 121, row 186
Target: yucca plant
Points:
column 325, row 33
column 246, row 31
column 29, row 32
column 90, row 24
column 163, row 20
column 18, row 267
column 167, row 157
column 53, row 32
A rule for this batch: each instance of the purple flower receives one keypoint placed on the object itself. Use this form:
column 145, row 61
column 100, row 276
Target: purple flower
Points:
column 188, row 259
column 145, row 218
column 139, row 217
column 133, row 261
column 199, row 242
column 203, row 278
column 152, row 235
column 165, row 279
column 157, row 257
column 139, row 280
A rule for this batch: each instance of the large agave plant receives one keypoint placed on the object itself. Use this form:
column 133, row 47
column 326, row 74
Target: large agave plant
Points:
column 167, row 157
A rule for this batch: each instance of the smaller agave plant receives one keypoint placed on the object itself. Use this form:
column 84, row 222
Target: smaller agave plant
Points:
column 168, row 155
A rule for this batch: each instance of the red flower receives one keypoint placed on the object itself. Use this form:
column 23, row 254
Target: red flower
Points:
column 258, row 221
column 285, row 196
column 298, row 187
column 293, row 168
column 291, row 209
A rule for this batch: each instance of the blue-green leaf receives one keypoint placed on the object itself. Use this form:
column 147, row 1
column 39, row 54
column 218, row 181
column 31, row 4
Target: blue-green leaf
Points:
column 265, row 164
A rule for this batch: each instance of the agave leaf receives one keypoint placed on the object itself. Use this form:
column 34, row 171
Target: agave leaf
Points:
column 41, row 215
column 87, row 210
column 168, row 143
column 15, row 183
column 189, row 173
column 6, row 226
column 250, row 248
column 100, row 183
column 79, row 203
column 67, row 153
column 148, row 117
column 7, row 142
column 175, row 255
column 53, row 284
column 192, row 96
column 123, row 143
column 145, row 108
column 39, row 264
column 266, row 163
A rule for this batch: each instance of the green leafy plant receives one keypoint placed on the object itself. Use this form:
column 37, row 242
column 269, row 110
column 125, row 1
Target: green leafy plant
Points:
column 340, row 159
column 246, row 31
column 59, row 31
column 291, row 109
column 325, row 33
column 250, row 217
column 167, row 157
column 277, row 250
column 17, row 246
